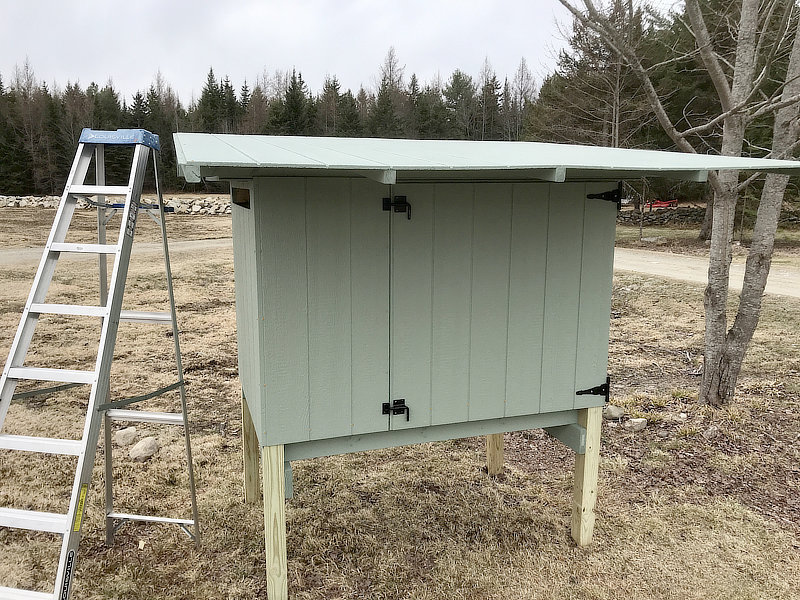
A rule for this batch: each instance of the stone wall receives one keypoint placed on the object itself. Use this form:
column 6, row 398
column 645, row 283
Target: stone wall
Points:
column 208, row 205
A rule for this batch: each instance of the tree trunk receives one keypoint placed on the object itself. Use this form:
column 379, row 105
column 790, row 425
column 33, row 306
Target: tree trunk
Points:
column 705, row 228
column 723, row 362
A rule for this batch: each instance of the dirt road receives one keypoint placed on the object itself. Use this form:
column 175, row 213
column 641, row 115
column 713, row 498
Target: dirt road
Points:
column 782, row 280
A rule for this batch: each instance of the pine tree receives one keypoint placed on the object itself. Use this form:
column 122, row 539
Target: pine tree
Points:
column 383, row 120
column 245, row 97
column 294, row 111
column 208, row 107
column 138, row 110
column 328, row 107
column 460, row 101
column 349, row 121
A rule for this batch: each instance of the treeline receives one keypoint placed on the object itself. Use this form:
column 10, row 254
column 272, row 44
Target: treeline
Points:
column 39, row 127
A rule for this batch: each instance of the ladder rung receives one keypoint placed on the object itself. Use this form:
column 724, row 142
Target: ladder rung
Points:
column 99, row 190
column 69, row 309
column 33, row 520
column 7, row 593
column 88, row 248
column 144, row 416
column 39, row 444
column 138, row 316
column 60, row 375
column 149, row 519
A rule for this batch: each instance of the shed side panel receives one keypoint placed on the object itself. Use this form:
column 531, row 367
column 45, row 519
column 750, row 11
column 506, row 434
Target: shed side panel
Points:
column 283, row 288
column 247, row 319
column 526, row 301
column 597, row 267
column 491, row 249
column 369, row 291
column 452, row 276
column 564, row 252
column 411, row 307
column 329, row 315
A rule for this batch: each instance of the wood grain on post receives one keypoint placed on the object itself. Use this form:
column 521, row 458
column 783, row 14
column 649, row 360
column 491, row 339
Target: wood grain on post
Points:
column 250, row 452
column 275, row 522
column 494, row 453
column 586, row 467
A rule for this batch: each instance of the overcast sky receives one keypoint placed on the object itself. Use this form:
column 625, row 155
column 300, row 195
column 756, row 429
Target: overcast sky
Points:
column 129, row 41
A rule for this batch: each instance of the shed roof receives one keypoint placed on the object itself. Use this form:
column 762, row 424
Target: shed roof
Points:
column 228, row 156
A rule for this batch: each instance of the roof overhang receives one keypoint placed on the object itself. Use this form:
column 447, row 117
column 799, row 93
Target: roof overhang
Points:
column 228, row 156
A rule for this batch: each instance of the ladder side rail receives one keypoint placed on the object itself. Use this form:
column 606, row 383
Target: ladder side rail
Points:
column 178, row 360
column 99, row 394
column 42, row 279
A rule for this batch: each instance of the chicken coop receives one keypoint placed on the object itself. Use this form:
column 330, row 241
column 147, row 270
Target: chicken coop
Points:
column 391, row 292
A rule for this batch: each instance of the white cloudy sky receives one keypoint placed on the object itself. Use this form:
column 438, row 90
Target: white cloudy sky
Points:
column 129, row 41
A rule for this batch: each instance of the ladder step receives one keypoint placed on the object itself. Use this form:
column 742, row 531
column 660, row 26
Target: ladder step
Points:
column 33, row 520
column 148, row 519
column 99, row 190
column 69, row 309
column 143, row 416
column 60, row 375
column 86, row 248
column 133, row 316
column 39, row 444
column 138, row 316
column 7, row 593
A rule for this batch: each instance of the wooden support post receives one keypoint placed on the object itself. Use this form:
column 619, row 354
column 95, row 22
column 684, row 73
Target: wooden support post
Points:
column 494, row 453
column 252, row 490
column 275, row 522
column 586, row 466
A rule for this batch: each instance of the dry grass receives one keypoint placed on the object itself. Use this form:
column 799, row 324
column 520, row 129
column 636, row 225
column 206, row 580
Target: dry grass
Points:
column 679, row 515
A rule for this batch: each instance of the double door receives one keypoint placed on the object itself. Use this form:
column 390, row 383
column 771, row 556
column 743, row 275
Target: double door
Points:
column 492, row 300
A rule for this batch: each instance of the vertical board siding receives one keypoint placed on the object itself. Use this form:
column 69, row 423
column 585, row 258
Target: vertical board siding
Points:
column 411, row 309
column 327, row 207
column 369, row 291
column 281, row 221
column 526, row 299
column 491, row 248
column 564, row 253
column 599, row 229
column 452, row 277
column 247, row 329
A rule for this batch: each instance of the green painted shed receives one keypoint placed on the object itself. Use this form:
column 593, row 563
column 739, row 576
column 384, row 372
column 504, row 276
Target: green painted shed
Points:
column 390, row 292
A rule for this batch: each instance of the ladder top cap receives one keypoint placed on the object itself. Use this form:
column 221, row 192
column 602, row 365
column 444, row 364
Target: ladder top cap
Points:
column 120, row 136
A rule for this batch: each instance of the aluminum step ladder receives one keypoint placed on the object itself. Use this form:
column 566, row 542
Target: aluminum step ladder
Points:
column 100, row 408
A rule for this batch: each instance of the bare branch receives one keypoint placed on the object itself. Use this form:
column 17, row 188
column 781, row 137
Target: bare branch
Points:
column 710, row 58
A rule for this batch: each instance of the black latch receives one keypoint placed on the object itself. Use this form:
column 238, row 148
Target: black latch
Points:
column 397, row 407
column 398, row 205
column 598, row 390
column 609, row 196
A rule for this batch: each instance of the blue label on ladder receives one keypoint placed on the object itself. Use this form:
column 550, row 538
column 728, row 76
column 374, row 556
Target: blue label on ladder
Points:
column 120, row 136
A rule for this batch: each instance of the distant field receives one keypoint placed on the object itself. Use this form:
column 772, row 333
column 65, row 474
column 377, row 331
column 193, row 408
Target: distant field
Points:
column 702, row 504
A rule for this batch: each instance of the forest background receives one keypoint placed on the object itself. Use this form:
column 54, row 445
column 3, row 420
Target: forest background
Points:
column 592, row 97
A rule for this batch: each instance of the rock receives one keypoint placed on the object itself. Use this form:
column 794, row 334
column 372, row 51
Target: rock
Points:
column 144, row 449
column 613, row 412
column 635, row 425
column 711, row 432
column 663, row 434
column 125, row 437
column 196, row 208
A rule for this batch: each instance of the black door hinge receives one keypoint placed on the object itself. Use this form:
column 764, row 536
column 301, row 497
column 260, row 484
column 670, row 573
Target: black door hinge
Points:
column 397, row 407
column 398, row 205
column 609, row 196
column 598, row 390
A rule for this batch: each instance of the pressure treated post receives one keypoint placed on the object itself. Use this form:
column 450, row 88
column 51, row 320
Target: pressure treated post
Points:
column 586, row 466
column 250, row 456
column 275, row 522
column 494, row 453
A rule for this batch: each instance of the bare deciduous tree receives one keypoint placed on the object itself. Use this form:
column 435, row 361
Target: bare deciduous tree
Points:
column 762, row 34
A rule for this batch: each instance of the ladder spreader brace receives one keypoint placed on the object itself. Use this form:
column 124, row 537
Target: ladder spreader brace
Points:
column 100, row 408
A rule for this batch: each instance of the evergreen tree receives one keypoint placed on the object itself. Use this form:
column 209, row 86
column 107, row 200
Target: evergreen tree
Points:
column 245, row 97
column 328, row 107
column 460, row 101
column 349, row 119
column 208, row 108
column 294, row 112
column 138, row 110
column 230, row 109
column 383, row 120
